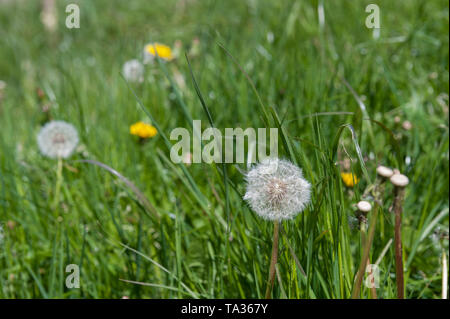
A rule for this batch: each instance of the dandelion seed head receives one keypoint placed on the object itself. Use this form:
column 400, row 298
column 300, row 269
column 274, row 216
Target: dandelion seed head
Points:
column 57, row 139
column 133, row 71
column 276, row 189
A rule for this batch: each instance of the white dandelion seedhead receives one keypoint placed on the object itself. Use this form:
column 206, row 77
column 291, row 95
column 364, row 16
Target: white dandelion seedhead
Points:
column 57, row 139
column 276, row 189
column 133, row 71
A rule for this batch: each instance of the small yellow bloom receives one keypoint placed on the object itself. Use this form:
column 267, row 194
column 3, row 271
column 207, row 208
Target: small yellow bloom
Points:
column 143, row 130
column 349, row 179
column 163, row 51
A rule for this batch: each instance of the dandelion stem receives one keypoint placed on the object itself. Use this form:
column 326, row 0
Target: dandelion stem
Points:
column 367, row 243
column 273, row 259
column 444, row 275
column 373, row 290
column 58, row 183
column 399, row 192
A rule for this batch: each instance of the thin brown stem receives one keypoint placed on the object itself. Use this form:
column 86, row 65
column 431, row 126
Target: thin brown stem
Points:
column 365, row 256
column 399, row 192
column 373, row 290
column 273, row 259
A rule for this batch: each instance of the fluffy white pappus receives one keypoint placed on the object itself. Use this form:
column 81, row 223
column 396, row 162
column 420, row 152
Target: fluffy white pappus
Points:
column 133, row 71
column 276, row 189
column 57, row 139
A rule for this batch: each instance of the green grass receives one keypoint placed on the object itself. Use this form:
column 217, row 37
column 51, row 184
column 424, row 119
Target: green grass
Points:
column 189, row 251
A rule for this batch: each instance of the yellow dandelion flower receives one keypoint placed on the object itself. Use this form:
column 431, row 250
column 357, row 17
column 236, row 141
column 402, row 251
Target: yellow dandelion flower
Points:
column 349, row 179
column 153, row 49
column 143, row 130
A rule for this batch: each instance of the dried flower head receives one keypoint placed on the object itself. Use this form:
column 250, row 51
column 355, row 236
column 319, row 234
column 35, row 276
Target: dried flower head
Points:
column 407, row 125
column 384, row 171
column 349, row 179
column 143, row 130
column 276, row 189
column 157, row 49
column 399, row 180
column 364, row 206
column 57, row 139
column 133, row 71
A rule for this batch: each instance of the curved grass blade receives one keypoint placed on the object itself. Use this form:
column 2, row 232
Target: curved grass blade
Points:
column 356, row 144
column 224, row 167
column 193, row 294
column 263, row 107
column 154, row 285
column 141, row 197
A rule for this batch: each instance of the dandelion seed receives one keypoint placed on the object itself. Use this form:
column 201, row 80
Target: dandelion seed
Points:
column 276, row 189
column 349, row 179
column 133, row 71
column 156, row 49
column 143, row 130
column 57, row 139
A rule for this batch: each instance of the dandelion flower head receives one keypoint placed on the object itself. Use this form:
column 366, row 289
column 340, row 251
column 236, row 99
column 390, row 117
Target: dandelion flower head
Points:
column 349, row 179
column 133, row 71
column 57, row 139
column 157, row 49
column 276, row 189
column 143, row 130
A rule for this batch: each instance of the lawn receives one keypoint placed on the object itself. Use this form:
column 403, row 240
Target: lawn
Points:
column 345, row 99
